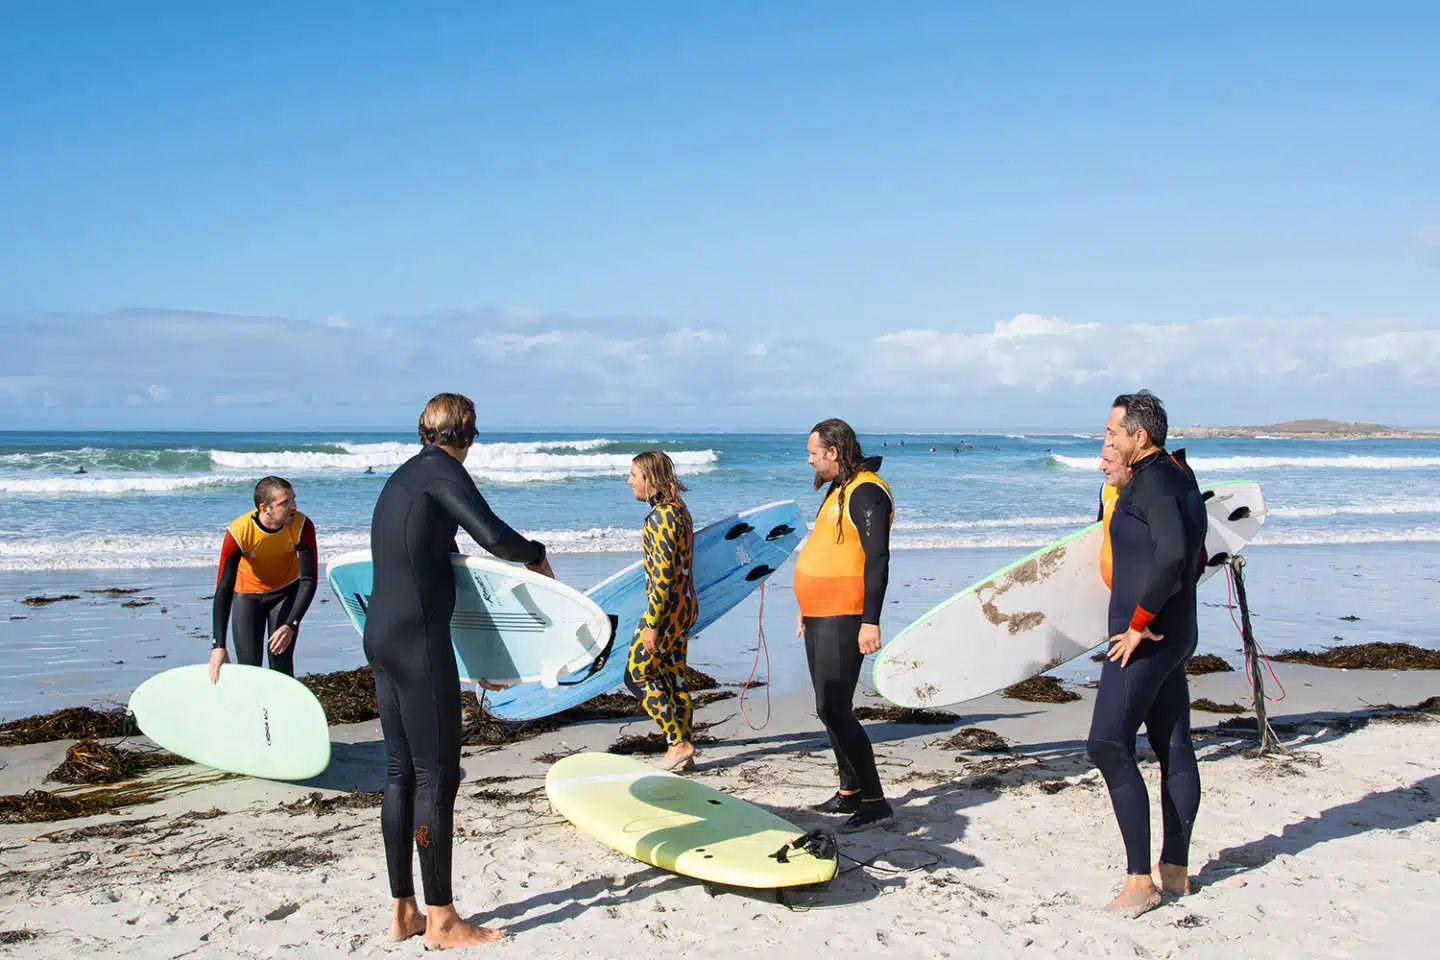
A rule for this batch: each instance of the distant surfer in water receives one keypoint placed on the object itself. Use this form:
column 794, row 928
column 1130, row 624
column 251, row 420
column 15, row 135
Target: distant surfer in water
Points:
column 840, row 580
column 655, row 670
column 417, row 683
column 267, row 577
column 1157, row 537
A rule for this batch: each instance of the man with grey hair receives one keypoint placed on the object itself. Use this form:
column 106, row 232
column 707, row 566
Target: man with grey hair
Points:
column 1157, row 540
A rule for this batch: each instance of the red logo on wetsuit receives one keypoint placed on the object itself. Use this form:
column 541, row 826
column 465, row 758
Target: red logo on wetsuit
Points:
column 422, row 836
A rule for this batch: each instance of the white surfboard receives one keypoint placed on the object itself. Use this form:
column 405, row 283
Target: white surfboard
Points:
column 1035, row 614
column 255, row 721
column 510, row 625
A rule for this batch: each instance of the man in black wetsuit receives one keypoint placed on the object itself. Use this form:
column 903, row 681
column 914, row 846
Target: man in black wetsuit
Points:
column 1157, row 540
column 407, row 643
column 840, row 580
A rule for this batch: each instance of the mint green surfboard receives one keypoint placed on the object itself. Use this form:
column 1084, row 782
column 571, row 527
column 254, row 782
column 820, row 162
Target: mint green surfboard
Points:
column 255, row 721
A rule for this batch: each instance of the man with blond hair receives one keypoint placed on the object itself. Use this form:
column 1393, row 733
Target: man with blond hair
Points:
column 417, row 682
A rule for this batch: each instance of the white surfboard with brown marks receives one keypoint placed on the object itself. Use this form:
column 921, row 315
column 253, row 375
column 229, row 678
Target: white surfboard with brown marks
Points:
column 1035, row 614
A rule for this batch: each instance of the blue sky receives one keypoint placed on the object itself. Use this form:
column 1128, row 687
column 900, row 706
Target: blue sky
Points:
column 717, row 215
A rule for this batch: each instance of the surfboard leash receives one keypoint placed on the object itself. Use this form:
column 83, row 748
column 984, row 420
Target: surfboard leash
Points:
column 1232, row 573
column 760, row 646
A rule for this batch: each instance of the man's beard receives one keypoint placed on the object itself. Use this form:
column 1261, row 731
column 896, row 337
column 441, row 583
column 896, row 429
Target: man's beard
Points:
column 820, row 480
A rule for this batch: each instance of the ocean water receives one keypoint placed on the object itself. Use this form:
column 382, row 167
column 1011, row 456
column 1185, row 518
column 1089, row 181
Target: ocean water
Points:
column 162, row 499
column 1353, row 531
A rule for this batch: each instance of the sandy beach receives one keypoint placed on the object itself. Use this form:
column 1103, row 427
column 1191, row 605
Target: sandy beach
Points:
column 1324, row 853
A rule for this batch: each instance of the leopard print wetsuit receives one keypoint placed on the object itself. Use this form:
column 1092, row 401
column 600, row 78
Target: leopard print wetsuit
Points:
column 668, row 542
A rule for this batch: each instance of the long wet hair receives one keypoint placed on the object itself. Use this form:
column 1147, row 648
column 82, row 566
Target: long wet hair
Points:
column 835, row 434
column 659, row 472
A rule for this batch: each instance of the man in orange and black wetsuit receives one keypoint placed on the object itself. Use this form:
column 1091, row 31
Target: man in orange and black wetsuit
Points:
column 840, row 579
column 267, row 578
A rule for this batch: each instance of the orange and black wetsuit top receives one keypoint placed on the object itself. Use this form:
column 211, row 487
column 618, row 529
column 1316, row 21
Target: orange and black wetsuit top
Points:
column 255, row 560
column 1108, row 496
column 843, row 569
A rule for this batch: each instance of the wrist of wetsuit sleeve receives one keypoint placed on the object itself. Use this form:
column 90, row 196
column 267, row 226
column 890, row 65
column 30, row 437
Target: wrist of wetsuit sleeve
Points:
column 541, row 547
column 1141, row 618
column 217, row 645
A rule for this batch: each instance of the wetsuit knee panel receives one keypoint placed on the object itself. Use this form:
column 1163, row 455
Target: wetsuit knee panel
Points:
column 1110, row 756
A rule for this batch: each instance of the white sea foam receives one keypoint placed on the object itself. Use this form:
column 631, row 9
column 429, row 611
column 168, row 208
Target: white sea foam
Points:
column 1221, row 464
column 92, row 485
column 535, row 462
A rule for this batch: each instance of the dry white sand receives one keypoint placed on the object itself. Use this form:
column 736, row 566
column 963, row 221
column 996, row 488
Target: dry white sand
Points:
column 1334, row 853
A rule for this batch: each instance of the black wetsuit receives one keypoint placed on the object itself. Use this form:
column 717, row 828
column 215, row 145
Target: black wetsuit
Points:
column 832, row 648
column 1157, row 537
column 407, row 642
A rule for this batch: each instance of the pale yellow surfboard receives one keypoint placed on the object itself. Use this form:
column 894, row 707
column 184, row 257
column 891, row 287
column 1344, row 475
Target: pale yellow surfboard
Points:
column 677, row 824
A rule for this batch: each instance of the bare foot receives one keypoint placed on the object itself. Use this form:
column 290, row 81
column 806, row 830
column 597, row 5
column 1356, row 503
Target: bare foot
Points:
column 407, row 922
column 680, row 756
column 1138, row 897
column 1173, row 880
column 447, row 931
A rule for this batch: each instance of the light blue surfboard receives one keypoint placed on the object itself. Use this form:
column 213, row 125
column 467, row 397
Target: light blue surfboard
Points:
column 733, row 557
column 510, row 625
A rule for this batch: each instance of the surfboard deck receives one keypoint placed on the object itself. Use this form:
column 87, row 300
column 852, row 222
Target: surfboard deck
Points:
column 733, row 556
column 255, row 721
column 1035, row 614
column 510, row 625
column 678, row 824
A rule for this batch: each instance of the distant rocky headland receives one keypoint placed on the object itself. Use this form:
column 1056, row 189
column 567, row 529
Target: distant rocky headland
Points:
column 1309, row 430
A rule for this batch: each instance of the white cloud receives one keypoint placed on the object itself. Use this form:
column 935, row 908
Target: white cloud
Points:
column 500, row 344
column 556, row 369
column 337, row 323
column 1046, row 355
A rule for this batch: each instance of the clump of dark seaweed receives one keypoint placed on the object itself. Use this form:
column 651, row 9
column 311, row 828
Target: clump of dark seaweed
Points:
column 652, row 744
column 44, row 601
column 91, row 761
column 347, row 696
column 910, row 715
column 1367, row 656
column 319, row 805
column 1040, row 689
column 72, row 723
column 977, row 739
column 1204, row 663
column 1210, row 706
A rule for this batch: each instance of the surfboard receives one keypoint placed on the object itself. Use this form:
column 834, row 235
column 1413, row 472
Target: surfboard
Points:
column 510, row 625
column 1035, row 614
column 677, row 824
column 733, row 557
column 255, row 721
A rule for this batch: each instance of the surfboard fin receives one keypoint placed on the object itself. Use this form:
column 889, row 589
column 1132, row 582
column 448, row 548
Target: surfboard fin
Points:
column 550, row 678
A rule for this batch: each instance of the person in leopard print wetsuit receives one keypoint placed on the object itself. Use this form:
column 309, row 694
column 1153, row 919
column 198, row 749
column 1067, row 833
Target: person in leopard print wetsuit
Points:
column 655, row 669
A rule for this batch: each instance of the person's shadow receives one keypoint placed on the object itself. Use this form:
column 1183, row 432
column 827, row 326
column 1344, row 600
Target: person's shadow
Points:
column 1386, row 810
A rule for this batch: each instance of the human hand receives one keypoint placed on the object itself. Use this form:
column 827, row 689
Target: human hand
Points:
column 869, row 638
column 281, row 639
column 1124, row 644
